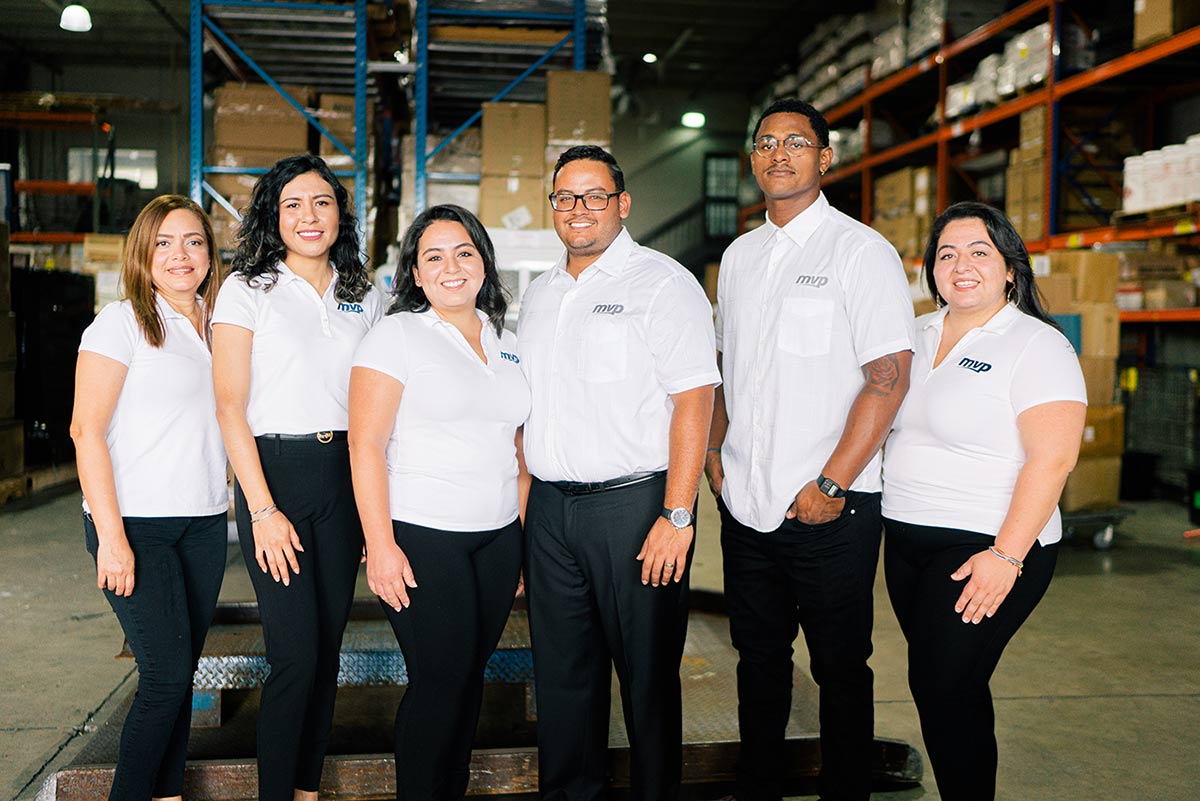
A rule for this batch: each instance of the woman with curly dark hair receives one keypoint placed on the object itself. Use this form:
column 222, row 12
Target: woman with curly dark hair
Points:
column 437, row 401
column 285, row 328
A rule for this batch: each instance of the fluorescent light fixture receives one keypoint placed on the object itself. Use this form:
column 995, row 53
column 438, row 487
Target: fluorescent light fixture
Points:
column 75, row 18
column 692, row 119
column 649, row 58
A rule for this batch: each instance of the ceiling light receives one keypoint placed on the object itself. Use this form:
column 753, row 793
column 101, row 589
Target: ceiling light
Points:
column 75, row 18
column 649, row 58
column 692, row 119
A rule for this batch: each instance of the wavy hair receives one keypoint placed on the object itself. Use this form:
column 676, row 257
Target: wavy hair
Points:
column 137, row 279
column 492, row 299
column 260, row 247
column 1006, row 239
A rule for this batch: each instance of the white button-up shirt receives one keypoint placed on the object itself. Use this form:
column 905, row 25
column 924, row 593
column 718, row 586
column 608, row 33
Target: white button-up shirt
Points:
column 604, row 354
column 167, row 456
column 954, row 456
column 800, row 310
column 452, row 456
column 302, row 350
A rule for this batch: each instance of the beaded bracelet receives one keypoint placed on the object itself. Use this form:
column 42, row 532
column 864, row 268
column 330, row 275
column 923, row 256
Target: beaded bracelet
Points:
column 1012, row 560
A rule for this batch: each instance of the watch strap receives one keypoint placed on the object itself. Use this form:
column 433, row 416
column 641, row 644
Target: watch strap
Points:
column 829, row 487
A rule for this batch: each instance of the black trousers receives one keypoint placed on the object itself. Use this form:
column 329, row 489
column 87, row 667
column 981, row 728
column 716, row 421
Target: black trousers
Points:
column 820, row 579
column 465, row 587
column 303, row 622
column 950, row 662
column 588, row 611
column 179, row 563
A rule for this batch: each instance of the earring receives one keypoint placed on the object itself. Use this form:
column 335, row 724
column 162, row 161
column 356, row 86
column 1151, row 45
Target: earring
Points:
column 1009, row 295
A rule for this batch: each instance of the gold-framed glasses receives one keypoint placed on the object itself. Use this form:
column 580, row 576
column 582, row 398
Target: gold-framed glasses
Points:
column 793, row 145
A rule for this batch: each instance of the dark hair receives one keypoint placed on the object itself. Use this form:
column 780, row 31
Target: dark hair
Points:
column 591, row 153
column 260, row 248
column 791, row 105
column 492, row 299
column 1007, row 241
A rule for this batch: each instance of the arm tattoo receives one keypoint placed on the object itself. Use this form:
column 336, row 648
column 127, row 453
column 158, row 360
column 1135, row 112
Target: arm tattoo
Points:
column 882, row 374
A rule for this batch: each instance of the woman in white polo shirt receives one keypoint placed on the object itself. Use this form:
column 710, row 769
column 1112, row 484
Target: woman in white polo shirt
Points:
column 152, row 469
column 437, row 401
column 285, row 328
column 972, row 474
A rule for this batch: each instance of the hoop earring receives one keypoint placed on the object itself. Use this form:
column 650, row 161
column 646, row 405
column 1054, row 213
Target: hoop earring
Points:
column 1008, row 296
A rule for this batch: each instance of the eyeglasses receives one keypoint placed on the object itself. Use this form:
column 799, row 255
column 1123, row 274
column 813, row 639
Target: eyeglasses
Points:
column 592, row 201
column 767, row 145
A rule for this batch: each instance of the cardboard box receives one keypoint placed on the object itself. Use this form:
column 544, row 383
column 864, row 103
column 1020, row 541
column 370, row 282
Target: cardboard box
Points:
column 894, row 193
column 1033, row 133
column 514, row 139
column 1100, row 378
column 104, row 247
column 1141, row 266
column 336, row 114
column 1100, row 332
column 578, row 107
column 252, row 115
column 925, row 192
column 1103, row 432
column 8, row 390
column 12, row 447
column 1168, row 294
column 511, row 202
column 1159, row 19
column 1096, row 274
column 1095, row 483
column 1058, row 292
column 1033, row 180
column 258, row 98
column 246, row 157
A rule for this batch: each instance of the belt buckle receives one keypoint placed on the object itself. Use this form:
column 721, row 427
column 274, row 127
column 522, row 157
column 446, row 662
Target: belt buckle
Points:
column 324, row 437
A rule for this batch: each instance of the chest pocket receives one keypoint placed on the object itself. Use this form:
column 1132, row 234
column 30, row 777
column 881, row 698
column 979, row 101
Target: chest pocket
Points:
column 806, row 326
column 604, row 350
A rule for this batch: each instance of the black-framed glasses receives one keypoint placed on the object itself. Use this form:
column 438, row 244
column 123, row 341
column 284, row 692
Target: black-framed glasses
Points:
column 792, row 145
column 592, row 201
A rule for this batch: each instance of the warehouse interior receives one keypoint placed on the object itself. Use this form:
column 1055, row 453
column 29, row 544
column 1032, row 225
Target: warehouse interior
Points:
column 1079, row 118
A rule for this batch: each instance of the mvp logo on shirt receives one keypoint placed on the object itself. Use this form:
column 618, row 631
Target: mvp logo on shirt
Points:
column 817, row 281
column 971, row 364
column 512, row 357
column 351, row 307
column 608, row 308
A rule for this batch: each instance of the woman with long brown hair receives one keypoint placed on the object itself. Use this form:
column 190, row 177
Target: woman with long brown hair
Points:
column 152, row 469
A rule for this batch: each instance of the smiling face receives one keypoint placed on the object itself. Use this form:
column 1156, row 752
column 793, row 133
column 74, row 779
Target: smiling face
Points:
column 586, row 233
column 970, row 272
column 180, row 257
column 308, row 216
column 449, row 268
column 784, row 176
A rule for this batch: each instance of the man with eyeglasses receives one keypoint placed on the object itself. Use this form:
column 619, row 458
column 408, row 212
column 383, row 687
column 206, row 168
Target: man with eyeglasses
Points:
column 617, row 343
column 814, row 333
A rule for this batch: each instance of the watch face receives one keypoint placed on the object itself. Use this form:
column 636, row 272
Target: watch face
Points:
column 681, row 518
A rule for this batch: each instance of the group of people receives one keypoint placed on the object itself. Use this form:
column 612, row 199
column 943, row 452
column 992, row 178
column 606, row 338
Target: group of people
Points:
column 464, row 463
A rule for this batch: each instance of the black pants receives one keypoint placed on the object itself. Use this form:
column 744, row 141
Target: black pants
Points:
column 588, row 610
column 465, row 587
column 179, row 563
column 303, row 622
column 950, row 662
column 820, row 579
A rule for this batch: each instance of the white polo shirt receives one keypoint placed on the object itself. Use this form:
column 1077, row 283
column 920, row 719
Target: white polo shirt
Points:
column 167, row 456
column 603, row 355
column 954, row 455
column 452, row 457
column 800, row 310
column 302, row 350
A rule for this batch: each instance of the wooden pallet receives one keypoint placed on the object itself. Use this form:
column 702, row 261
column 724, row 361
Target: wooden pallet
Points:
column 32, row 482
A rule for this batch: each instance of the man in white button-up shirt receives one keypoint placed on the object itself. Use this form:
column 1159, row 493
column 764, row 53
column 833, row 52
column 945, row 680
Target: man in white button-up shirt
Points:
column 815, row 333
column 617, row 343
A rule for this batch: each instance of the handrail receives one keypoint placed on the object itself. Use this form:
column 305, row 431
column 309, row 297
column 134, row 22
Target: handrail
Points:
column 674, row 220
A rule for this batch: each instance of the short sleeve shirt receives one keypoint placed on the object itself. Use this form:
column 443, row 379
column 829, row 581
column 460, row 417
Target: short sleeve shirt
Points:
column 301, row 352
column 604, row 354
column 800, row 310
column 168, row 459
column 953, row 457
column 451, row 458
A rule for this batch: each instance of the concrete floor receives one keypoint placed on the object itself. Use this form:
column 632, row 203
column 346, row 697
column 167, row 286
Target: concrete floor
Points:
column 1096, row 698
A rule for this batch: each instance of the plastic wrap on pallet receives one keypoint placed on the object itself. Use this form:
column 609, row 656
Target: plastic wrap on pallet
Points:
column 984, row 81
column 959, row 17
column 889, row 48
column 960, row 99
column 1034, row 56
column 852, row 82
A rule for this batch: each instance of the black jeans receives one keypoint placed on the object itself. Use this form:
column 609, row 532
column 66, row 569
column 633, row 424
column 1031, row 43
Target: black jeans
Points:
column 179, row 563
column 820, row 579
column 465, row 587
column 588, row 610
column 950, row 663
column 302, row 623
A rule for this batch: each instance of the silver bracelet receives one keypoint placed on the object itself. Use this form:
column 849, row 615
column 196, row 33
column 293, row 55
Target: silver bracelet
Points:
column 1012, row 560
column 270, row 510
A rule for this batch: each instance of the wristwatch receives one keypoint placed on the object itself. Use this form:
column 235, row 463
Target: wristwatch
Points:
column 679, row 518
column 829, row 487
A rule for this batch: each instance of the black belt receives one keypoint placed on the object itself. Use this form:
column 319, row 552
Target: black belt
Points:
column 317, row 436
column 590, row 487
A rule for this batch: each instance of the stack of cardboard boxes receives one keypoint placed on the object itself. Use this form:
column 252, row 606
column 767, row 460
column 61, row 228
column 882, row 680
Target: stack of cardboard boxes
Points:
column 101, row 257
column 1079, row 288
column 1025, row 184
column 12, row 431
column 514, row 148
column 1156, row 281
column 1154, row 20
column 904, row 203
column 461, row 156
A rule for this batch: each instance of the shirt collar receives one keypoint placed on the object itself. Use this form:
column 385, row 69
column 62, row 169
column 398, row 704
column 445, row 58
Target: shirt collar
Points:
column 801, row 227
column 999, row 323
column 287, row 276
column 614, row 258
column 167, row 312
